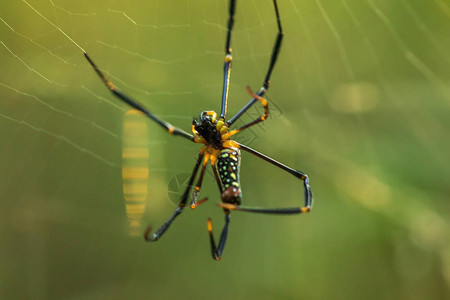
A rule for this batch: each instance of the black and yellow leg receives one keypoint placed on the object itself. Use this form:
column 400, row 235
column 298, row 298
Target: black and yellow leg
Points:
column 227, row 62
column 273, row 60
column 277, row 211
column 308, row 196
column 133, row 103
column 198, row 186
column 216, row 175
column 217, row 251
column 256, row 121
column 157, row 235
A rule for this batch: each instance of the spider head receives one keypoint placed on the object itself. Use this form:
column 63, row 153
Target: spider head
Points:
column 206, row 127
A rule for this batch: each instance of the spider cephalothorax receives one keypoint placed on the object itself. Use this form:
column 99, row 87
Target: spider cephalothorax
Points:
column 207, row 130
column 218, row 149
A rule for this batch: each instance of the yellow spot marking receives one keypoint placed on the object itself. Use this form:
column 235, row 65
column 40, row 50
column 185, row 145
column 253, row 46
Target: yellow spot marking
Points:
column 171, row 129
column 305, row 209
column 233, row 176
column 197, row 189
column 209, row 225
column 228, row 57
column 110, row 84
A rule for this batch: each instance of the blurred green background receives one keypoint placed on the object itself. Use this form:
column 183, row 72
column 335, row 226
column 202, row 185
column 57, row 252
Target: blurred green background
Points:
column 360, row 102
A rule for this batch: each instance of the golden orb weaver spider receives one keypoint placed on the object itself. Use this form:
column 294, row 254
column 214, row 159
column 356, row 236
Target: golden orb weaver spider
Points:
column 223, row 153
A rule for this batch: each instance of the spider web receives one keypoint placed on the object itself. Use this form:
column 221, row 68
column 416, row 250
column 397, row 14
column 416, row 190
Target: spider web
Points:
column 361, row 90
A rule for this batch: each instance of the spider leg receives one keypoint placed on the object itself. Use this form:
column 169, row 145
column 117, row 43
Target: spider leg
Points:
column 157, row 235
column 256, row 121
column 217, row 251
column 273, row 60
column 169, row 127
column 294, row 210
column 227, row 62
column 198, row 186
column 216, row 175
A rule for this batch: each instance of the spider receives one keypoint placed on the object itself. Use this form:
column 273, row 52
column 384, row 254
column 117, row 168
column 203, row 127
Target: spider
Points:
column 223, row 153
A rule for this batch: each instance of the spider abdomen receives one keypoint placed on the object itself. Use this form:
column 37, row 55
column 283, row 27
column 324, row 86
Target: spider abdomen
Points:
column 228, row 165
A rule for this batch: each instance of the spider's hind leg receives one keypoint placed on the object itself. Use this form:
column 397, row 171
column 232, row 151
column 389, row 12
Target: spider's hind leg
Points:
column 308, row 195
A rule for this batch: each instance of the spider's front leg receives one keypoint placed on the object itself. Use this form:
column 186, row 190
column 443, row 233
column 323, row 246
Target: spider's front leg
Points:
column 133, row 103
column 227, row 61
column 273, row 59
